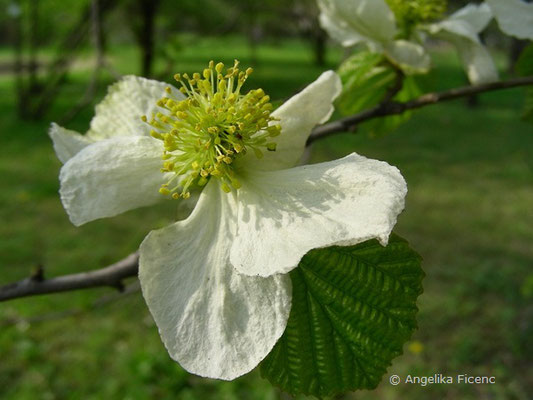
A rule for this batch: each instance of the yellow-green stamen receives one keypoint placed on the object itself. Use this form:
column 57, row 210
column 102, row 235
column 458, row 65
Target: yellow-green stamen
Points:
column 215, row 125
column 408, row 13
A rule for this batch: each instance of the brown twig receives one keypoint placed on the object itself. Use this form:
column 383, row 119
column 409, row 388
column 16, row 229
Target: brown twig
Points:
column 394, row 108
column 396, row 87
column 114, row 274
column 111, row 276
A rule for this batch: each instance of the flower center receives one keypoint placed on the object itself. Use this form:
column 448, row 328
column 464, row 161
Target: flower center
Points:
column 408, row 13
column 215, row 125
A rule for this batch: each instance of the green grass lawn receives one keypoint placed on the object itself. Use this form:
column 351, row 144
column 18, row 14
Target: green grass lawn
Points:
column 468, row 214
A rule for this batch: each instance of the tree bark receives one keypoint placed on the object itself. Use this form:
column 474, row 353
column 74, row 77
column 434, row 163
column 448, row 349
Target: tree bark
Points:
column 148, row 10
column 320, row 46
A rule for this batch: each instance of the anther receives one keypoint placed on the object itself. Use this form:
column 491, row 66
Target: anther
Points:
column 216, row 124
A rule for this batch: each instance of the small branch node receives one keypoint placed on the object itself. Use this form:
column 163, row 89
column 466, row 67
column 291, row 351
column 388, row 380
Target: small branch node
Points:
column 119, row 286
column 37, row 275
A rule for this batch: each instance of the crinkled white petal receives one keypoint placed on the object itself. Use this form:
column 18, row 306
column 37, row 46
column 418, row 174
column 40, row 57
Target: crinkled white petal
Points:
column 337, row 27
column 298, row 116
column 408, row 56
column 67, row 143
column 214, row 321
column 119, row 113
column 110, row 177
column 284, row 214
column 515, row 17
column 369, row 18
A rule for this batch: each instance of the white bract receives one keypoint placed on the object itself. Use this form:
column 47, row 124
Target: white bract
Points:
column 515, row 17
column 462, row 29
column 216, row 282
column 374, row 23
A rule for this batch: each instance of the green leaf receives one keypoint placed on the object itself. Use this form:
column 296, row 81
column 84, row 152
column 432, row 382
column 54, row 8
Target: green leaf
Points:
column 353, row 308
column 384, row 125
column 365, row 80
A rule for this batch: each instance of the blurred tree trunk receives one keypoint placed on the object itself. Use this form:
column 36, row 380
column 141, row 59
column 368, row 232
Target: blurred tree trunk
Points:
column 26, row 71
column 515, row 49
column 33, row 46
column 98, row 41
column 35, row 95
column 145, row 33
column 320, row 43
column 18, row 64
column 306, row 15
column 253, row 31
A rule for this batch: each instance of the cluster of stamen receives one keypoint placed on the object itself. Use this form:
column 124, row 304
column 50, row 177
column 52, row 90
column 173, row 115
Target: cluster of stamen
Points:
column 205, row 133
column 408, row 13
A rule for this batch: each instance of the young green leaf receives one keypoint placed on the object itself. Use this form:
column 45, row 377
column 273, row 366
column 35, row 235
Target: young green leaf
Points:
column 385, row 125
column 353, row 308
column 365, row 79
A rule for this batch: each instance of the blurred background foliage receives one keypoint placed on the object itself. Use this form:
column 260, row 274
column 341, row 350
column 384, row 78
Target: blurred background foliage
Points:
column 468, row 165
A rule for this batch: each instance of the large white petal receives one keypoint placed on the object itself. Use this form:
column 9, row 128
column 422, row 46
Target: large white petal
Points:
column 336, row 26
column 409, row 56
column 110, row 177
column 515, row 17
column 298, row 116
column 67, row 143
column 119, row 113
column 284, row 214
column 214, row 321
column 369, row 18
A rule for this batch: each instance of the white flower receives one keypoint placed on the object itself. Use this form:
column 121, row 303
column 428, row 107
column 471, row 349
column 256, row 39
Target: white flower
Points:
column 515, row 17
column 462, row 29
column 216, row 282
column 373, row 22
